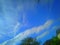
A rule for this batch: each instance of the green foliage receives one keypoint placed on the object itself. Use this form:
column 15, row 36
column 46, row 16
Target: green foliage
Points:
column 29, row 41
column 58, row 31
column 54, row 40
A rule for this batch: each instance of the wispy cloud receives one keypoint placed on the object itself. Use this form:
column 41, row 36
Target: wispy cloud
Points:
column 42, row 35
column 16, row 27
column 30, row 32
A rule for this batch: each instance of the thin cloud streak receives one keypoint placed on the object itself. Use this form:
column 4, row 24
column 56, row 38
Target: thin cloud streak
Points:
column 42, row 35
column 28, row 32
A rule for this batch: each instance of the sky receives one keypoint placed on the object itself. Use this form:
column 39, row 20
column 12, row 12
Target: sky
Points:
column 20, row 19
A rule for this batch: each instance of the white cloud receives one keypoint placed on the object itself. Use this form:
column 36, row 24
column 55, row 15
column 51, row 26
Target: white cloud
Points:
column 42, row 35
column 16, row 27
column 30, row 32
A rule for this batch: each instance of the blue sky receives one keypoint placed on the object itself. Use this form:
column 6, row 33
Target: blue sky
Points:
column 18, row 17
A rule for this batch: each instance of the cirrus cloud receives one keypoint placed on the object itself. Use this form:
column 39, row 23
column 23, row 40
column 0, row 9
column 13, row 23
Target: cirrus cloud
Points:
column 29, row 32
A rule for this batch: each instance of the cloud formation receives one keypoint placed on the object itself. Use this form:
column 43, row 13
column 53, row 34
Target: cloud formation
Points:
column 28, row 32
column 42, row 35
